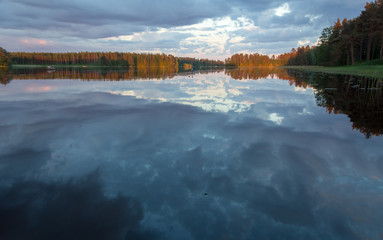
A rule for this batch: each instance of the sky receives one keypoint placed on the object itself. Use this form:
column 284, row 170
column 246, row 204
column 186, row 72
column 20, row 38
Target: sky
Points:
column 214, row 29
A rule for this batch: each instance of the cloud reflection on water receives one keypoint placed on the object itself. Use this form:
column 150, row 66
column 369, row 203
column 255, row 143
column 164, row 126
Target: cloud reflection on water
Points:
column 184, row 172
column 261, row 180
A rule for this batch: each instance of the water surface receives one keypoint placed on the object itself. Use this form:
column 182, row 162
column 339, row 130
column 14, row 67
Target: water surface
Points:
column 216, row 154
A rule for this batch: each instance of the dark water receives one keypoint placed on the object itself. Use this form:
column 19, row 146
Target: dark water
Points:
column 221, row 154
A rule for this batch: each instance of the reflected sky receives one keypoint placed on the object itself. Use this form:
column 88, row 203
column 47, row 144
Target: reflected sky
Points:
column 200, row 156
column 212, row 92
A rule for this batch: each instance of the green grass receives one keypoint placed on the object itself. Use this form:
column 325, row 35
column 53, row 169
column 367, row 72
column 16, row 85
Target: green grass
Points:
column 363, row 69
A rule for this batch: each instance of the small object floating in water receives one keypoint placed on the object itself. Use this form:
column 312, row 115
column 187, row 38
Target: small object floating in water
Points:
column 205, row 194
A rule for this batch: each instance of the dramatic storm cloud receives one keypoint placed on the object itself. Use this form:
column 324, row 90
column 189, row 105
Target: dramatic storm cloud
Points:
column 212, row 28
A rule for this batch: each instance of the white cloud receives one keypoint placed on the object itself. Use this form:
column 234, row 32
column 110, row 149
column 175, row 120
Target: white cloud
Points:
column 208, row 38
column 236, row 39
column 274, row 117
column 303, row 42
column 282, row 10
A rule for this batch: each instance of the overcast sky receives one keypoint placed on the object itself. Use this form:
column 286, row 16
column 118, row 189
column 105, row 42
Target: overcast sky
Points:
column 197, row 28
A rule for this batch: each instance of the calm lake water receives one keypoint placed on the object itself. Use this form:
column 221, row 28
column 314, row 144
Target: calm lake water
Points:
column 213, row 154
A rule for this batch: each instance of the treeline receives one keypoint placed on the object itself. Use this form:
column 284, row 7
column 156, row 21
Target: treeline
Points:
column 347, row 42
column 257, row 60
column 5, row 60
column 197, row 63
column 251, row 60
column 110, row 59
column 302, row 56
column 95, row 58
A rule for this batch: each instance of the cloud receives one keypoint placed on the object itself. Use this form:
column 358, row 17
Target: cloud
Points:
column 282, row 10
column 186, row 28
column 304, row 42
column 210, row 37
column 48, row 15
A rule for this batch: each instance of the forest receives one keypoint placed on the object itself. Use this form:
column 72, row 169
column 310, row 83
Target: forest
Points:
column 111, row 59
column 5, row 59
column 256, row 60
column 95, row 58
column 187, row 63
column 347, row 42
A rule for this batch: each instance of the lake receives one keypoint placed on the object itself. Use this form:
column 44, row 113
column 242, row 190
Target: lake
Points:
column 210, row 154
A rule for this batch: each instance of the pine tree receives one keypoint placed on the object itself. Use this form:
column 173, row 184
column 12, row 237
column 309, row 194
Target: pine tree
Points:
column 5, row 60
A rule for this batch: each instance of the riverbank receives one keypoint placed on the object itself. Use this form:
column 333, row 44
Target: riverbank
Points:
column 374, row 71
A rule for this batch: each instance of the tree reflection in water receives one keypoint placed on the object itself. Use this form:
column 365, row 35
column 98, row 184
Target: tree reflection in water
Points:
column 360, row 98
column 102, row 74
column 5, row 75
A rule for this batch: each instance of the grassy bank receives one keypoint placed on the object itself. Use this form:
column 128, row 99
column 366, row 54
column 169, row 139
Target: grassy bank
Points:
column 375, row 71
